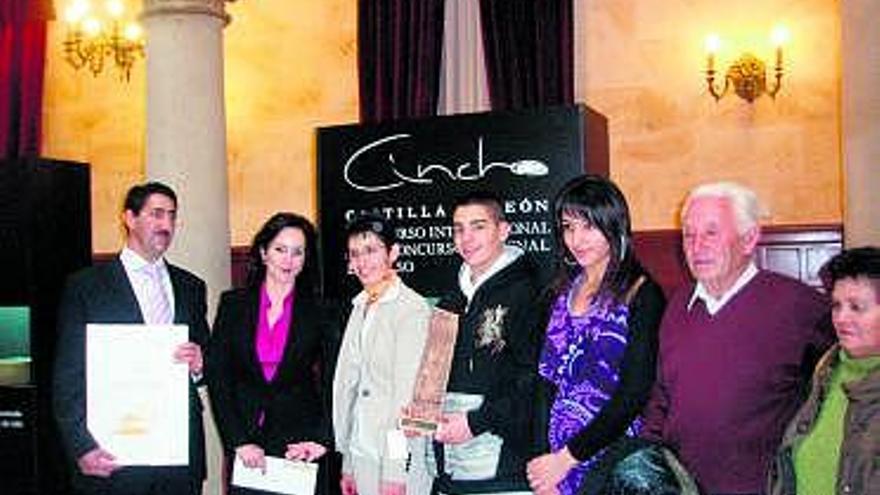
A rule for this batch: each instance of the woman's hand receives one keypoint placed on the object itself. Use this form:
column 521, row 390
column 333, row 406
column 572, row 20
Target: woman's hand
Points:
column 304, row 451
column 546, row 471
column 251, row 455
column 347, row 484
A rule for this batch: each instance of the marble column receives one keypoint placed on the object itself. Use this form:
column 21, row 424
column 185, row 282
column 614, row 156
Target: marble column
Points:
column 186, row 145
column 860, row 51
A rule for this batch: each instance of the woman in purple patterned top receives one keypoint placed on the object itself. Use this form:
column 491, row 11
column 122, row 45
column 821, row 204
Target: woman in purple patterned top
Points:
column 598, row 361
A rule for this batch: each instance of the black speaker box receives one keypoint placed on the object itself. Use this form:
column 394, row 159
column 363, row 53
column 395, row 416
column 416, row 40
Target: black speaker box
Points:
column 45, row 235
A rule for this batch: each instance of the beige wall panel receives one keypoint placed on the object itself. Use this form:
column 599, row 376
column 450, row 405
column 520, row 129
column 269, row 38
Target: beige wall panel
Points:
column 98, row 120
column 641, row 63
column 290, row 67
column 861, row 120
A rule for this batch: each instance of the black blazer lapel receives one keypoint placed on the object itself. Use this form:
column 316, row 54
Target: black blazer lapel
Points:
column 121, row 291
column 297, row 334
column 250, row 320
column 182, row 299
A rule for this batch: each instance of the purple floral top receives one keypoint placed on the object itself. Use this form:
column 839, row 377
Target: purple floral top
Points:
column 582, row 357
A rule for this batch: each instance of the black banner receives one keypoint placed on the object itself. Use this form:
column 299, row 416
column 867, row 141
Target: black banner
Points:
column 412, row 172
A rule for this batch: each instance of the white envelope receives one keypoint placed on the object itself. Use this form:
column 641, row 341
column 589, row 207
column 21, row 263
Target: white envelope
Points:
column 280, row 476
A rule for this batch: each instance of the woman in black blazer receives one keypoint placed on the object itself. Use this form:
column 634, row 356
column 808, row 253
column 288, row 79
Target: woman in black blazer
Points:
column 268, row 340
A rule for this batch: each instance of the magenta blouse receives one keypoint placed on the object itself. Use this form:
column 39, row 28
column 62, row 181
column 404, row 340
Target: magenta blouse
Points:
column 271, row 340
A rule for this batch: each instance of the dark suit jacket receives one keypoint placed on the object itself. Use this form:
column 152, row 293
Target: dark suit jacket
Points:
column 292, row 402
column 103, row 294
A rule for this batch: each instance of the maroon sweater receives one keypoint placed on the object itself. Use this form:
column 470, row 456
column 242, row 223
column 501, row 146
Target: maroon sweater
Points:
column 728, row 384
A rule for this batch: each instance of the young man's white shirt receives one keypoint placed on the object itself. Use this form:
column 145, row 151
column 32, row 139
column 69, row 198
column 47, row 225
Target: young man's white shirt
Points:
column 469, row 287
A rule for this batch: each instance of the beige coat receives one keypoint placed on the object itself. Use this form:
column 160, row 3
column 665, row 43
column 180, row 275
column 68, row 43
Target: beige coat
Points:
column 375, row 374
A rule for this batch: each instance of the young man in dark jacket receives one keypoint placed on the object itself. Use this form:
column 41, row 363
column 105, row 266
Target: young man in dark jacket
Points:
column 482, row 445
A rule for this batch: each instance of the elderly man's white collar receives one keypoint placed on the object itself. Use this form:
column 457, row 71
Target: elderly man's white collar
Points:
column 713, row 304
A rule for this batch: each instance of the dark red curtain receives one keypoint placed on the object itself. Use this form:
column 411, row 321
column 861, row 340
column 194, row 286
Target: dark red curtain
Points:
column 22, row 61
column 529, row 46
column 399, row 48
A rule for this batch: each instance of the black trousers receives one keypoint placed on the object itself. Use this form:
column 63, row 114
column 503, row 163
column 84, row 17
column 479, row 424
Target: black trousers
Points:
column 140, row 481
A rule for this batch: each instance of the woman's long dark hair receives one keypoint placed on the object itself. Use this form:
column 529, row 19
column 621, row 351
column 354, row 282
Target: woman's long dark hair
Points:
column 307, row 282
column 600, row 203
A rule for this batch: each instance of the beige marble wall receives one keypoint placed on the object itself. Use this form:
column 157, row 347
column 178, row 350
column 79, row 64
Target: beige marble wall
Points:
column 861, row 120
column 290, row 67
column 98, row 120
column 640, row 63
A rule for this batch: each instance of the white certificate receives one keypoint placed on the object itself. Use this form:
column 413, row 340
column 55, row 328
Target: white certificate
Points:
column 280, row 476
column 137, row 397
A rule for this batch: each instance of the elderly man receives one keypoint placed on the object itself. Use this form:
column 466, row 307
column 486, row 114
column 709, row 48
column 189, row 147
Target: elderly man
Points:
column 735, row 349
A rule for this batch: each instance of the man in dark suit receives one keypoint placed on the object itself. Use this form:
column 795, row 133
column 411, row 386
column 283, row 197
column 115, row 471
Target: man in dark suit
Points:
column 137, row 287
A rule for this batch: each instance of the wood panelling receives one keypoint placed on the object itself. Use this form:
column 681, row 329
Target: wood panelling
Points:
column 660, row 253
column 800, row 251
column 239, row 266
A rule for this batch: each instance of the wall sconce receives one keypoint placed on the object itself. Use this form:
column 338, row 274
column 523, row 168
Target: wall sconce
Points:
column 747, row 74
column 93, row 41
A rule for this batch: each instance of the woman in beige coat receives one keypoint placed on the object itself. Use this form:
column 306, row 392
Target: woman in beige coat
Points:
column 376, row 369
column 832, row 445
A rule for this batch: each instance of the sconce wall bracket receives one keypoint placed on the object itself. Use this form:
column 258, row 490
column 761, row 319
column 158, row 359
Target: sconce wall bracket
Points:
column 748, row 77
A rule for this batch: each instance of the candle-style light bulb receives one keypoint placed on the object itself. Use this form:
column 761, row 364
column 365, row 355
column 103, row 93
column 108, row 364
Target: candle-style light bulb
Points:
column 115, row 8
column 780, row 37
column 133, row 32
column 76, row 11
column 712, row 43
column 92, row 26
